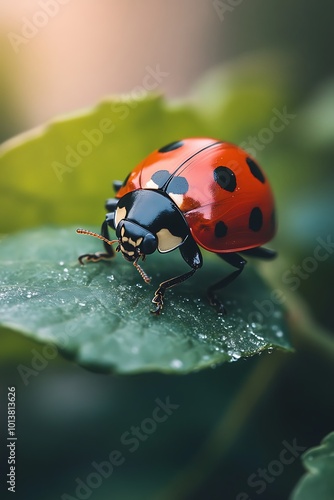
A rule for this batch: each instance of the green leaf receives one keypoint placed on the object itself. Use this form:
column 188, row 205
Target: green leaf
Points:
column 63, row 172
column 318, row 482
column 98, row 314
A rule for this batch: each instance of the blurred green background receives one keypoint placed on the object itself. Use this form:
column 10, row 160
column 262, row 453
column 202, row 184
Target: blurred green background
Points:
column 240, row 61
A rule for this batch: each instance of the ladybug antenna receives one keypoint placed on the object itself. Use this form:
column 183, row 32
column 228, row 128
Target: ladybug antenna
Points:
column 96, row 235
column 141, row 271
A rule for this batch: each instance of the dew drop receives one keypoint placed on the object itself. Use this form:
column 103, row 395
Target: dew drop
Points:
column 176, row 363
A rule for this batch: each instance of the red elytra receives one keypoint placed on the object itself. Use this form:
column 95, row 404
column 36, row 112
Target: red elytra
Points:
column 232, row 210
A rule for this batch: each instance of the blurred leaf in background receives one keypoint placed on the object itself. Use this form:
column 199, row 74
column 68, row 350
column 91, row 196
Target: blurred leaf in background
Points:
column 319, row 480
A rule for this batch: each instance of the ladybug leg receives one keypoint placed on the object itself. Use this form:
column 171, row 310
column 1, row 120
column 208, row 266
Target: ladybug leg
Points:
column 192, row 255
column 234, row 260
column 111, row 204
column 261, row 253
column 109, row 253
column 158, row 299
column 117, row 185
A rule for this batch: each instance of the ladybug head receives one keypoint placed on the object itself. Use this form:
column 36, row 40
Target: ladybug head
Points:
column 134, row 240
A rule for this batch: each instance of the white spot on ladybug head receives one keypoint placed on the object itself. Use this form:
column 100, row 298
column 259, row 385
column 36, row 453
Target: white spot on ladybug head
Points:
column 120, row 214
column 167, row 241
column 151, row 185
column 177, row 198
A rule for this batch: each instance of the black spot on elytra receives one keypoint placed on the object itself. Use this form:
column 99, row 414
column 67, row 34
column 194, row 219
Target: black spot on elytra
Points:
column 160, row 177
column 225, row 178
column 255, row 219
column 170, row 147
column 255, row 170
column 220, row 229
column 165, row 180
column 178, row 185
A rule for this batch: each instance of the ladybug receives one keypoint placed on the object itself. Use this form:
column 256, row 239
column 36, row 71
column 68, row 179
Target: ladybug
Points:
column 197, row 192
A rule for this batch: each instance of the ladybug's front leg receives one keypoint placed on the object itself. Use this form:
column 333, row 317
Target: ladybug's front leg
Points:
column 109, row 253
column 158, row 298
column 193, row 257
